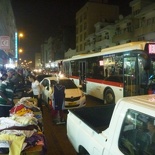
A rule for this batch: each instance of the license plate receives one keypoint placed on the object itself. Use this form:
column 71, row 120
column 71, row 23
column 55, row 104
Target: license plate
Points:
column 72, row 103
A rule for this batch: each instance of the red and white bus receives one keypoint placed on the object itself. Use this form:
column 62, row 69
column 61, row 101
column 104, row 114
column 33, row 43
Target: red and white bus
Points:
column 115, row 72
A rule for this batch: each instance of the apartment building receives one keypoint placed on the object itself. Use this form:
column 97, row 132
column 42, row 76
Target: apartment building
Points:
column 137, row 26
column 144, row 13
column 101, row 38
column 87, row 16
column 46, row 52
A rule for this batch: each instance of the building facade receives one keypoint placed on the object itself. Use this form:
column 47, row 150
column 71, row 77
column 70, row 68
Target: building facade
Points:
column 139, row 25
column 7, row 33
column 88, row 16
column 46, row 52
column 38, row 63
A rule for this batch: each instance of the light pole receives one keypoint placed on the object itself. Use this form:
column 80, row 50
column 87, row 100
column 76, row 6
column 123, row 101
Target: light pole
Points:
column 19, row 45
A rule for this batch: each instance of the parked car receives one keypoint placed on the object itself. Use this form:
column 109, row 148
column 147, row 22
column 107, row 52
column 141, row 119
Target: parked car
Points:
column 74, row 97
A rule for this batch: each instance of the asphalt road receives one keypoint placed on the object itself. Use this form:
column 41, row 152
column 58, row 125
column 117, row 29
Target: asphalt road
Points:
column 56, row 137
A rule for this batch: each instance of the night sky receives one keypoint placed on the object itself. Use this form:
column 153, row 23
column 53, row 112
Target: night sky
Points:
column 40, row 19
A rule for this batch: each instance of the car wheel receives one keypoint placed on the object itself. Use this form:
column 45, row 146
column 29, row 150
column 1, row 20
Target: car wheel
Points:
column 109, row 97
column 82, row 151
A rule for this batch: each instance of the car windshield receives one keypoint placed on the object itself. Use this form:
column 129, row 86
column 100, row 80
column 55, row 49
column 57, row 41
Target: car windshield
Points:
column 67, row 83
column 41, row 77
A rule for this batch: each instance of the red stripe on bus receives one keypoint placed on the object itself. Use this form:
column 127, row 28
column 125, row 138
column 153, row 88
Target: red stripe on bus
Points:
column 110, row 83
column 74, row 77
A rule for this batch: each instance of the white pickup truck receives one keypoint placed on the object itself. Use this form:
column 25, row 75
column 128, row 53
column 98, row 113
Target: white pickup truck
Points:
column 125, row 128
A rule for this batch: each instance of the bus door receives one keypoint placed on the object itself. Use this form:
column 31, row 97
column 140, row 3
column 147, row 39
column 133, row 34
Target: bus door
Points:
column 130, row 77
column 82, row 74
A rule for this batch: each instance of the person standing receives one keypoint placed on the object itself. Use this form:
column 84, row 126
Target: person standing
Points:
column 6, row 95
column 4, row 77
column 36, row 89
column 58, row 102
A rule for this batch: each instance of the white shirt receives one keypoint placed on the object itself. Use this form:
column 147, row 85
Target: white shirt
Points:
column 36, row 87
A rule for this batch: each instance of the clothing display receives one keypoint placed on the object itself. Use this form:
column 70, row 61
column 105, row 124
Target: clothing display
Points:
column 22, row 130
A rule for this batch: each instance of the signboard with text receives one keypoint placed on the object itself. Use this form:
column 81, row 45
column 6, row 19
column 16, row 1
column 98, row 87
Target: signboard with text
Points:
column 4, row 42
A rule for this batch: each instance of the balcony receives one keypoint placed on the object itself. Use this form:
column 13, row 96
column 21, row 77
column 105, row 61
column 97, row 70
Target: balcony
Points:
column 102, row 43
column 123, row 36
column 89, row 47
column 144, row 30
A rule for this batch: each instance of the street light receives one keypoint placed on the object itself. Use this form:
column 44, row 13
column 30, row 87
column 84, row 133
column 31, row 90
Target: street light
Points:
column 20, row 51
column 21, row 35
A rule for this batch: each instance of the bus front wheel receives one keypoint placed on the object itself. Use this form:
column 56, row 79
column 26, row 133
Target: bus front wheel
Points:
column 109, row 97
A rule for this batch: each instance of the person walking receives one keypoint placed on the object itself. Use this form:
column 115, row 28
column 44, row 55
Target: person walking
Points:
column 6, row 94
column 36, row 89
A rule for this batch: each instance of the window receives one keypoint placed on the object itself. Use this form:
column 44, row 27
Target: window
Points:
column 80, row 19
column 85, row 35
column 80, row 47
column 45, row 83
column 80, row 28
column 77, row 49
column 106, row 35
column 85, row 26
column 85, row 16
column 74, row 66
column 53, row 82
column 118, row 31
column 81, row 37
column 137, row 137
column 94, row 69
column 149, row 21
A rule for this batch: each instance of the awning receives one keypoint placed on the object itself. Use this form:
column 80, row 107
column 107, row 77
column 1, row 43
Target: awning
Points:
column 10, row 55
column 3, row 55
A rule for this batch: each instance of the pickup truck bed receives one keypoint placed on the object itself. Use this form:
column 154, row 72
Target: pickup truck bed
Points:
column 98, row 118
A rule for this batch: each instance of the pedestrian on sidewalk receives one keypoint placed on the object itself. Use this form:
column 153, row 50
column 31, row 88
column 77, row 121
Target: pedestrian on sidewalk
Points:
column 36, row 89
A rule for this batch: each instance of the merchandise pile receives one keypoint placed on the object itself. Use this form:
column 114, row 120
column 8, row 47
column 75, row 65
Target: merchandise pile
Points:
column 23, row 130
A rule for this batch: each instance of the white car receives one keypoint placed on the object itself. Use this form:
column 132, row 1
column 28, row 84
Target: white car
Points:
column 74, row 97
